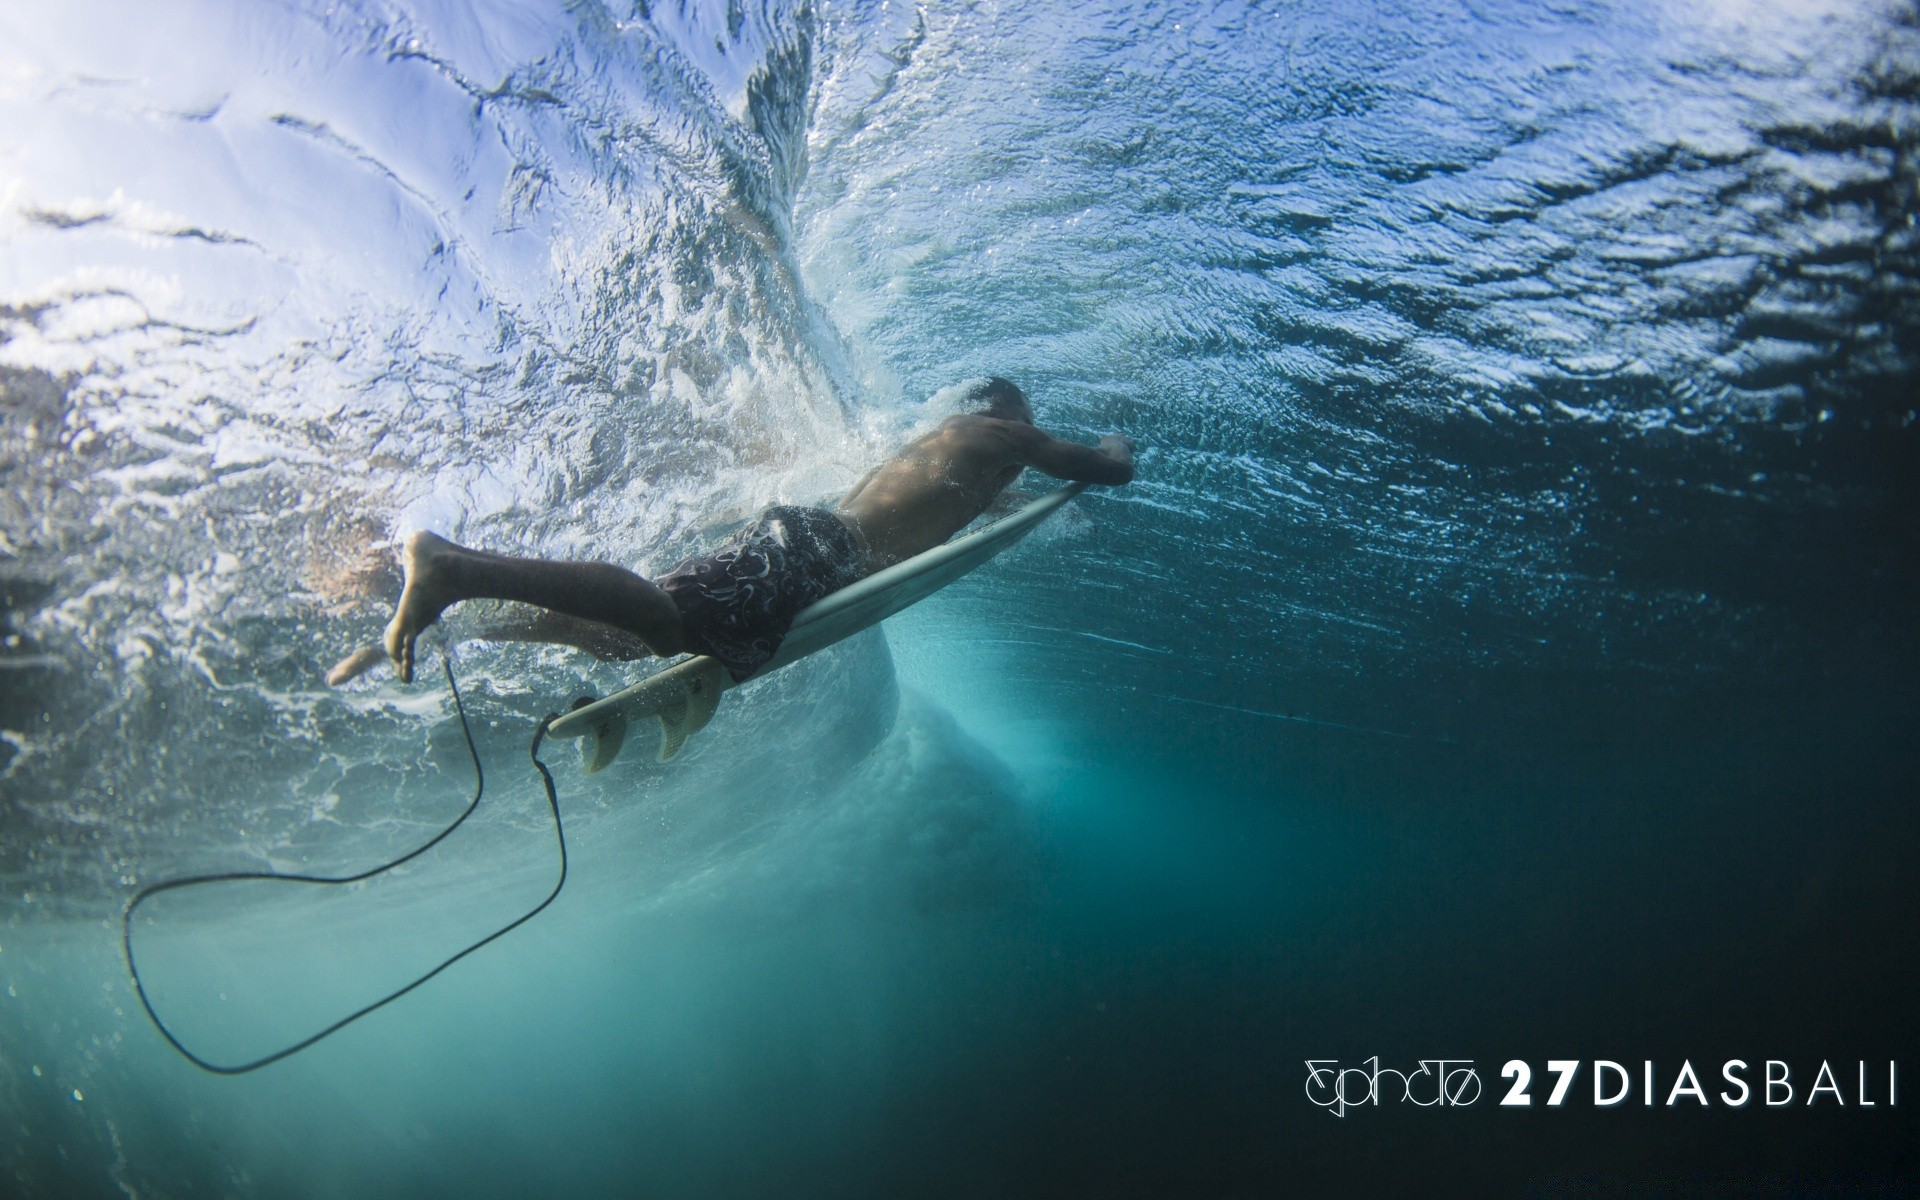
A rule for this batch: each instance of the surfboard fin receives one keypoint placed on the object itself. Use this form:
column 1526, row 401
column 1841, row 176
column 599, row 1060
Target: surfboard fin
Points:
column 603, row 740
column 690, row 711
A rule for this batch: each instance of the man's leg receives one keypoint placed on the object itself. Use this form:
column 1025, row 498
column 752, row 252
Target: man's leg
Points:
column 440, row 574
column 604, row 642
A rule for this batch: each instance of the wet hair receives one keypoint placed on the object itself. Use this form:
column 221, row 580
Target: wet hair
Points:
column 997, row 397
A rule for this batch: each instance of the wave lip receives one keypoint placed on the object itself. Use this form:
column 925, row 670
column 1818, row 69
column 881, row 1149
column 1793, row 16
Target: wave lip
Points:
column 283, row 284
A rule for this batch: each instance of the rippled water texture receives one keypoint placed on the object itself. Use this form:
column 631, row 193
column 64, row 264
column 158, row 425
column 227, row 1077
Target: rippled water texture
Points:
column 1521, row 560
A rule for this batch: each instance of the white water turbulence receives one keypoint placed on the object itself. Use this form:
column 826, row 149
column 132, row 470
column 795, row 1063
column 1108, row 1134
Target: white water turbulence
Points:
column 284, row 283
column 1510, row 380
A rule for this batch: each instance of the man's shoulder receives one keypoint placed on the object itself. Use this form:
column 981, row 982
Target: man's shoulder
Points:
column 966, row 421
column 979, row 426
column 991, row 443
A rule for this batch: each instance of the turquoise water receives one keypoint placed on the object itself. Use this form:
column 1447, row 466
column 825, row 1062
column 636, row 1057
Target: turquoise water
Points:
column 1506, row 650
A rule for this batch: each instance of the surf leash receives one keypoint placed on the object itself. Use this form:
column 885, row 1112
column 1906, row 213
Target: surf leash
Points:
column 479, row 790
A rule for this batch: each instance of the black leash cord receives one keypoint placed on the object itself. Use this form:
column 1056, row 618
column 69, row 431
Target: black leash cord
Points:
column 479, row 789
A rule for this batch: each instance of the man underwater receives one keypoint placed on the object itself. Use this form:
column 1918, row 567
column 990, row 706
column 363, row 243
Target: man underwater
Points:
column 737, row 603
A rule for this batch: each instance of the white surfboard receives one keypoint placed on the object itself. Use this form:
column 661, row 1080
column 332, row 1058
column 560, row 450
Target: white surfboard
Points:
column 684, row 696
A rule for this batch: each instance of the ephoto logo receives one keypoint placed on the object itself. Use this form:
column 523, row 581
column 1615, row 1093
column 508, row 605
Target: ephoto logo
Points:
column 1437, row 1083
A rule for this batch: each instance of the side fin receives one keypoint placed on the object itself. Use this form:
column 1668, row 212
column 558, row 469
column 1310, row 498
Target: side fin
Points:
column 603, row 740
column 690, row 711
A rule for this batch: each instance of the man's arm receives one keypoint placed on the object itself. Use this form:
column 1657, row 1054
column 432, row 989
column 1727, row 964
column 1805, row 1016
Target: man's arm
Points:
column 1110, row 462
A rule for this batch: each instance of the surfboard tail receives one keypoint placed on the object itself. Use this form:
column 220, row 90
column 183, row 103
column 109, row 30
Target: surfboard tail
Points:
column 684, row 702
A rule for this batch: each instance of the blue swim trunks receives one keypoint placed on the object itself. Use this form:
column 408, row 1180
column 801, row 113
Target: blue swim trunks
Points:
column 737, row 603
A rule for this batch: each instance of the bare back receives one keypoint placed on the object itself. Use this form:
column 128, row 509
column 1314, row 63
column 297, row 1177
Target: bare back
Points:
column 930, row 490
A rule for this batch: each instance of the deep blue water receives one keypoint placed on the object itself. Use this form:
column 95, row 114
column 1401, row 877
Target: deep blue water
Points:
column 1506, row 651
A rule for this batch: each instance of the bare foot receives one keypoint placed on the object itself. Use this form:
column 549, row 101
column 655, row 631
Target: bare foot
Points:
column 356, row 664
column 423, row 598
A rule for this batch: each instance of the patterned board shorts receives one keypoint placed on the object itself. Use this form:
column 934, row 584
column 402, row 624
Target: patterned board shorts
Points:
column 737, row 603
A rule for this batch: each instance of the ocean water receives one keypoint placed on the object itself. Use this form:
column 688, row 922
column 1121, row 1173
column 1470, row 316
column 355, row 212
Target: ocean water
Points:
column 1506, row 651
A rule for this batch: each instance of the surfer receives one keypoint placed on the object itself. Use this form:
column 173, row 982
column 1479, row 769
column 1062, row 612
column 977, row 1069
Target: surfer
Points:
column 737, row 603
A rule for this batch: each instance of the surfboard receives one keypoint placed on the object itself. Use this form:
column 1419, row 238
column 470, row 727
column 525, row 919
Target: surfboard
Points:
column 684, row 697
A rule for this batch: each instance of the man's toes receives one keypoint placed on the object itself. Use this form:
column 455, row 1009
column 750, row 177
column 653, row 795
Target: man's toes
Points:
column 355, row 665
